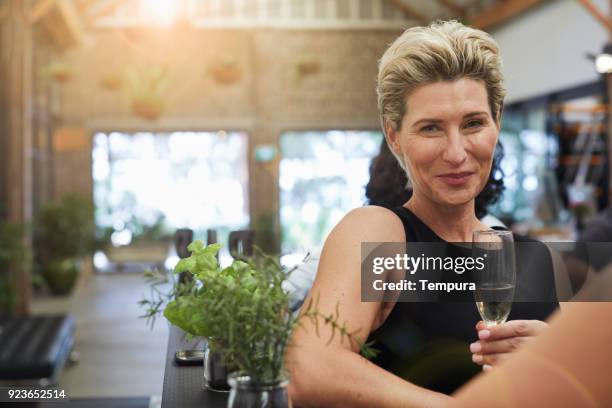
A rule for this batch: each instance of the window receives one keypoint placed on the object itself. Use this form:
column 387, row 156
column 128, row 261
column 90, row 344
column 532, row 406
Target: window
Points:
column 153, row 183
column 322, row 177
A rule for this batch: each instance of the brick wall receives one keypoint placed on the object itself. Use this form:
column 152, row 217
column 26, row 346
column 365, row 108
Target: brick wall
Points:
column 270, row 97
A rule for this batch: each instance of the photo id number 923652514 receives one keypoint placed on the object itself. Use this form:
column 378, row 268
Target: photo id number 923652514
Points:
column 32, row 394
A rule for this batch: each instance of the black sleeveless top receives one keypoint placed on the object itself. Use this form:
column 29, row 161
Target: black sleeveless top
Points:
column 428, row 343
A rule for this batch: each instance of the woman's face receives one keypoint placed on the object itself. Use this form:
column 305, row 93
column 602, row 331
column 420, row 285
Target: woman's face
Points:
column 447, row 140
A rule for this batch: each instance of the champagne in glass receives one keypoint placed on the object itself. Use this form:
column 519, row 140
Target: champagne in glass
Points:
column 494, row 302
column 495, row 283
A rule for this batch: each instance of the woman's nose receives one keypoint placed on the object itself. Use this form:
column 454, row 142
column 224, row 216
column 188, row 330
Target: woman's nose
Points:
column 454, row 152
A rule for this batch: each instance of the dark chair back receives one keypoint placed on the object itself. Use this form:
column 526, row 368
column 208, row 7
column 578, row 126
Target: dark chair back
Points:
column 182, row 239
column 241, row 243
column 211, row 236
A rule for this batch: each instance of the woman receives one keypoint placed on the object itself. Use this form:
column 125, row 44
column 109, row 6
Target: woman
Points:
column 440, row 96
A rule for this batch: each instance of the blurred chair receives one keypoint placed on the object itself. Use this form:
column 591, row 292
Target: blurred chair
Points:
column 182, row 238
column 241, row 243
column 211, row 236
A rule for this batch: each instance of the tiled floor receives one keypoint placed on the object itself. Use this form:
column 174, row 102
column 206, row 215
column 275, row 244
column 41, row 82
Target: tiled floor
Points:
column 119, row 355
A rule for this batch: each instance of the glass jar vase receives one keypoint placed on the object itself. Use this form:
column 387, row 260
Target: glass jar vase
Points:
column 245, row 393
column 215, row 372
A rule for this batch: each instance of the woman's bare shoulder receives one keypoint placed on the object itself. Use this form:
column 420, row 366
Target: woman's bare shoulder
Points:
column 371, row 224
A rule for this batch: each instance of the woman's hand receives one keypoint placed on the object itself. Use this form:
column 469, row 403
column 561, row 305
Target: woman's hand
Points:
column 497, row 342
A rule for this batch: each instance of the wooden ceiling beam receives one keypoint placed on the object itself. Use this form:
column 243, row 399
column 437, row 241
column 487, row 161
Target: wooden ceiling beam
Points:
column 454, row 7
column 502, row 12
column 83, row 5
column 598, row 14
column 61, row 20
column 74, row 23
column 103, row 8
column 411, row 12
column 41, row 9
column 56, row 33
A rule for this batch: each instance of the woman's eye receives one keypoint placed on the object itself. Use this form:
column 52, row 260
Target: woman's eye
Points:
column 473, row 124
column 430, row 128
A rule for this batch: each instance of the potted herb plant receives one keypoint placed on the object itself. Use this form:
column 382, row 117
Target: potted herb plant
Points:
column 243, row 310
column 64, row 233
column 14, row 258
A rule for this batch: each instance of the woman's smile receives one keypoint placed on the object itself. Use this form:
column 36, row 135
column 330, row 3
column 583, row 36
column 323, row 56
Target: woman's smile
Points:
column 456, row 178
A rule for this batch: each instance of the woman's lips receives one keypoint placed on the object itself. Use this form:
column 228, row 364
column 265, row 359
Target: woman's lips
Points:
column 456, row 178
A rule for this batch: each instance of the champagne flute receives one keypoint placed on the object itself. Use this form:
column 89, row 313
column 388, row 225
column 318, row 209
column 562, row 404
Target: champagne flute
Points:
column 496, row 281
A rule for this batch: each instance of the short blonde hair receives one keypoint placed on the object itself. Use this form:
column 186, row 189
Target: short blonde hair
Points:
column 443, row 51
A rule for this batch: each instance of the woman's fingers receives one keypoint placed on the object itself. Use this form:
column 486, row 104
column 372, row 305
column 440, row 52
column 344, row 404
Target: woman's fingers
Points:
column 496, row 342
column 480, row 326
column 490, row 359
column 513, row 328
column 498, row 346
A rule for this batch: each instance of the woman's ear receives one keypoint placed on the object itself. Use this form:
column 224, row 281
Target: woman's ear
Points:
column 392, row 136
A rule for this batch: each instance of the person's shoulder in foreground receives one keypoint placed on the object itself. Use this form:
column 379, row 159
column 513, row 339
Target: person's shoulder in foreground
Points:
column 568, row 365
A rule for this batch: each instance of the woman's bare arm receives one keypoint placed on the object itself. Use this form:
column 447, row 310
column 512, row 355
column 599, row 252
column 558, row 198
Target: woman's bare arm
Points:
column 335, row 374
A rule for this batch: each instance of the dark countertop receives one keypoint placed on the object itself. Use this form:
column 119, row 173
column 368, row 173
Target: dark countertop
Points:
column 183, row 384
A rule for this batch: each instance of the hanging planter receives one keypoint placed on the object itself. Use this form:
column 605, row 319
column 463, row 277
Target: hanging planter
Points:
column 305, row 67
column 226, row 71
column 147, row 100
column 148, row 107
column 59, row 72
column 111, row 82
